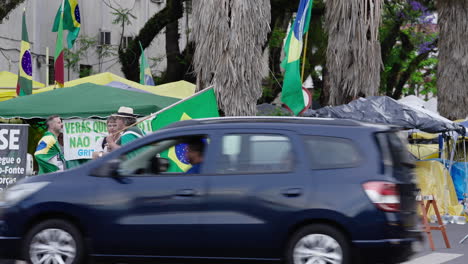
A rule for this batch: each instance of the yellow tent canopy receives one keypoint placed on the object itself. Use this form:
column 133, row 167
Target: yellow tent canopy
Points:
column 434, row 179
column 180, row 89
column 8, row 82
column 424, row 151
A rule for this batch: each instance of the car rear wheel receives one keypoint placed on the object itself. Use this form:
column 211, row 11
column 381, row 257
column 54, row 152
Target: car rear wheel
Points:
column 53, row 241
column 318, row 244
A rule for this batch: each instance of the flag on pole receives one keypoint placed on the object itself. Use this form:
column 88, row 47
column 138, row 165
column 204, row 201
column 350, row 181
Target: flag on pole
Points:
column 145, row 71
column 200, row 105
column 292, row 94
column 71, row 20
column 58, row 58
column 24, row 84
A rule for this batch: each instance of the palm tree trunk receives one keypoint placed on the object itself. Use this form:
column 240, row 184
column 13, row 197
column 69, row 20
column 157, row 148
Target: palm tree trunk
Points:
column 353, row 52
column 452, row 70
column 229, row 36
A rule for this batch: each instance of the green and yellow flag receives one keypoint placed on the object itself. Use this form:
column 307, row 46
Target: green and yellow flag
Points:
column 71, row 20
column 24, row 85
column 200, row 105
column 145, row 72
column 292, row 94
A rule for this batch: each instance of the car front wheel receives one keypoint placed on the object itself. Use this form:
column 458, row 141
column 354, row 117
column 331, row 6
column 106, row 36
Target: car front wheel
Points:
column 53, row 241
column 318, row 244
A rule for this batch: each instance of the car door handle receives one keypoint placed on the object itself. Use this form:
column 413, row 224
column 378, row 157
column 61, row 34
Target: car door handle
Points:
column 186, row 192
column 292, row 192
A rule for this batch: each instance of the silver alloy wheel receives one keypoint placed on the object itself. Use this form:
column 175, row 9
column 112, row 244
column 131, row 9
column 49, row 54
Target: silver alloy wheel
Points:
column 317, row 249
column 52, row 246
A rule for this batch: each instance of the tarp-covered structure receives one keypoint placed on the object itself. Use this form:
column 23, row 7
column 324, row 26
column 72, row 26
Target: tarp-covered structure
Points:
column 82, row 101
column 8, row 83
column 179, row 89
column 385, row 110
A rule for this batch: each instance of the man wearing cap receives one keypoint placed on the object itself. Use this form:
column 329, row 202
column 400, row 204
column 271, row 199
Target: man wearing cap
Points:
column 124, row 119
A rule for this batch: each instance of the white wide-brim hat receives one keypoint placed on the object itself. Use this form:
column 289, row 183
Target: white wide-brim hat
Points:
column 125, row 112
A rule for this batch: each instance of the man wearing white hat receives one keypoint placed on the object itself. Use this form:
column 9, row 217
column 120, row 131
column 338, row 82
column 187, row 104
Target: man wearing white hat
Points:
column 124, row 119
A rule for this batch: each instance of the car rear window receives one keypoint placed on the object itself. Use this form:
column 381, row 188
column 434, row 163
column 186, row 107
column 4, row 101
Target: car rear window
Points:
column 394, row 153
column 331, row 152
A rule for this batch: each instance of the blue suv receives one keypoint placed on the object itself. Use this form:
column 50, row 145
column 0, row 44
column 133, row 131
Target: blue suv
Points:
column 292, row 190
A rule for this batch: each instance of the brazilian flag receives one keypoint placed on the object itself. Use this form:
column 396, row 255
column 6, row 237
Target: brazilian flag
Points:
column 24, row 85
column 71, row 20
column 200, row 105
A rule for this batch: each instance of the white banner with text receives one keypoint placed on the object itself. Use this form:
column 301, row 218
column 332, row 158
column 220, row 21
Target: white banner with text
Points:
column 81, row 137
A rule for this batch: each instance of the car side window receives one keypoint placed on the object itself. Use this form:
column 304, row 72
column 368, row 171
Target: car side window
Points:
column 255, row 153
column 331, row 152
column 169, row 156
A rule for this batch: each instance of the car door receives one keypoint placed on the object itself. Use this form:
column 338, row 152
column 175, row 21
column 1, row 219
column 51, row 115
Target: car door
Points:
column 141, row 213
column 256, row 189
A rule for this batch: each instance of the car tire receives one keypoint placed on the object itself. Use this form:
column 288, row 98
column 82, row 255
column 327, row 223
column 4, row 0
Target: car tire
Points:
column 324, row 243
column 54, row 239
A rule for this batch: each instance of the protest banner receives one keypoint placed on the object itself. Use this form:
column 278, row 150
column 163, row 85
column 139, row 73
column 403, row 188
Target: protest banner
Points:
column 81, row 137
column 13, row 149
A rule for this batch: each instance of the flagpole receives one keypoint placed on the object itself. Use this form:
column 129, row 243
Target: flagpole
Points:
column 47, row 66
column 304, row 56
column 56, row 84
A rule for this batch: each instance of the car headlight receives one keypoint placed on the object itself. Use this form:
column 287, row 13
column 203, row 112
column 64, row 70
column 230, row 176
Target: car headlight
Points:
column 20, row 191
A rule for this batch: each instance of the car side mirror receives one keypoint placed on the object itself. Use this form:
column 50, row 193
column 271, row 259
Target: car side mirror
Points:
column 108, row 169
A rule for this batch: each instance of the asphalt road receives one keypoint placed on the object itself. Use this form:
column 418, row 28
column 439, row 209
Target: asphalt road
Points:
column 453, row 255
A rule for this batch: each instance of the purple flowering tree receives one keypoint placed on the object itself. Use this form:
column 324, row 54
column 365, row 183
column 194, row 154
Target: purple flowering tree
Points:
column 409, row 41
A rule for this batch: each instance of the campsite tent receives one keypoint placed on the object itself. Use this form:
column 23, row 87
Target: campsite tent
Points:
column 8, row 82
column 414, row 101
column 180, row 89
column 82, row 101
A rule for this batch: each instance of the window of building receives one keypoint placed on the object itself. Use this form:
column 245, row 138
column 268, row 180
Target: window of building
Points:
column 255, row 153
column 126, row 41
column 85, row 70
column 51, row 71
column 331, row 152
column 105, row 38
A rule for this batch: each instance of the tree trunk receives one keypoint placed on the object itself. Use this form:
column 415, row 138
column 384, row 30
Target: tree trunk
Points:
column 229, row 37
column 6, row 6
column 175, row 68
column 452, row 71
column 353, row 53
column 129, row 58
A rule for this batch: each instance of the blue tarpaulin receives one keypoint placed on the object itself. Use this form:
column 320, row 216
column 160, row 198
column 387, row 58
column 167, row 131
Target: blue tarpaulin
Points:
column 458, row 174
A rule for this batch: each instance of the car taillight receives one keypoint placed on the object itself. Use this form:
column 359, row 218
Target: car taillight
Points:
column 384, row 195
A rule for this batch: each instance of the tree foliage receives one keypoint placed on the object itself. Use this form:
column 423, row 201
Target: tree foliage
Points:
column 129, row 58
column 6, row 6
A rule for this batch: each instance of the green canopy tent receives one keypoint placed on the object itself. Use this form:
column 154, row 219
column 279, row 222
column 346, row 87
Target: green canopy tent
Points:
column 82, row 101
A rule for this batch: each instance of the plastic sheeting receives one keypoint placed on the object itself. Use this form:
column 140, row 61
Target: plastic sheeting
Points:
column 434, row 179
column 385, row 110
column 458, row 173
